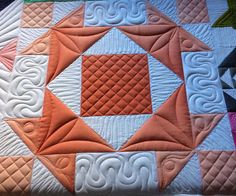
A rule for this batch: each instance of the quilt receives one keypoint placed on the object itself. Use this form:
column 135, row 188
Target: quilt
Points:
column 117, row 97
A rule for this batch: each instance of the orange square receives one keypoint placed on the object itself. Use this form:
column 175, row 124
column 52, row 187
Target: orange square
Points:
column 37, row 15
column 115, row 85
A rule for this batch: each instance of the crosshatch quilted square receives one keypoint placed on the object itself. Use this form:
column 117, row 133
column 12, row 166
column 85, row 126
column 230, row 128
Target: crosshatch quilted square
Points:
column 115, row 85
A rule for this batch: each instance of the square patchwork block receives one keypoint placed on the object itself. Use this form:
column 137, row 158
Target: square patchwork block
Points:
column 15, row 174
column 218, row 169
column 192, row 11
column 37, row 15
column 115, row 85
column 115, row 13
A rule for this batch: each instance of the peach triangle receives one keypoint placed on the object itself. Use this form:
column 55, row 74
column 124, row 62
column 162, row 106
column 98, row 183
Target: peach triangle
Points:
column 38, row 47
column 170, row 164
column 56, row 112
column 74, row 137
column 203, row 124
column 74, row 20
column 157, row 18
column 8, row 54
column 161, row 41
column 28, row 131
column 189, row 43
column 66, row 133
column 68, row 44
column 163, row 132
column 62, row 167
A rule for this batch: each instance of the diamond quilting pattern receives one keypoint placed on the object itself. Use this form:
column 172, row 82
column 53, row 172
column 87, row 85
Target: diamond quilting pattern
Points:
column 15, row 174
column 218, row 171
column 37, row 15
column 115, row 84
column 192, row 11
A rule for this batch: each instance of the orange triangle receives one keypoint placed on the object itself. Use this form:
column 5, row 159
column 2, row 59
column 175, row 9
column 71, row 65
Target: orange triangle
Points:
column 168, row 129
column 202, row 125
column 33, row 131
column 39, row 47
column 56, row 112
column 74, row 137
column 62, row 167
column 28, row 131
column 170, row 164
column 74, row 20
column 67, row 44
column 189, row 43
column 161, row 41
column 155, row 17
column 8, row 54
column 66, row 133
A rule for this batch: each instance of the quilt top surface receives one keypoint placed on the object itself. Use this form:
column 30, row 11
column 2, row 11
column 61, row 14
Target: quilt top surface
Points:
column 117, row 97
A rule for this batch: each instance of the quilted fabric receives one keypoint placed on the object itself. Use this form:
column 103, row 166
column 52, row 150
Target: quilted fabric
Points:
column 192, row 11
column 115, row 84
column 15, row 174
column 218, row 168
column 37, row 15
column 117, row 97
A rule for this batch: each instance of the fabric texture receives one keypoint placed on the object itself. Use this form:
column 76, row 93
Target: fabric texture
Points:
column 117, row 97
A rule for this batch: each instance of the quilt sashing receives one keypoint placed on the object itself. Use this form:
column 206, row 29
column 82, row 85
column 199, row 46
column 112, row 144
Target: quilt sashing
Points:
column 107, row 97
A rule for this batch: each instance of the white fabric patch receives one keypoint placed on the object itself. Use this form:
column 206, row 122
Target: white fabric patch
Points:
column 26, row 89
column 9, row 22
column 116, row 129
column 115, row 173
column 10, row 143
column 67, row 86
column 44, row 183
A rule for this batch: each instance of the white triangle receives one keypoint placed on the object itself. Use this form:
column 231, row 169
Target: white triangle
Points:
column 44, row 183
column 226, row 77
column 10, row 143
column 234, row 77
column 163, row 82
column 116, row 129
column 62, row 9
column 114, row 42
column 10, row 22
column 188, row 181
column 4, row 87
column 67, row 86
column 28, row 35
column 220, row 138
column 231, row 92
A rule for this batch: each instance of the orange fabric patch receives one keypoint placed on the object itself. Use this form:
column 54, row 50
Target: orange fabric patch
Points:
column 15, row 174
column 37, row 15
column 115, row 85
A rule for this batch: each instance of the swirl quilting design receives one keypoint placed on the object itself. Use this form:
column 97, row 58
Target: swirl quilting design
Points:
column 203, row 84
column 115, row 12
column 25, row 96
column 115, row 172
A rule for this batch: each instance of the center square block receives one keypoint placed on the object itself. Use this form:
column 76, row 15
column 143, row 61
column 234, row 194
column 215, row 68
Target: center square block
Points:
column 116, row 84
